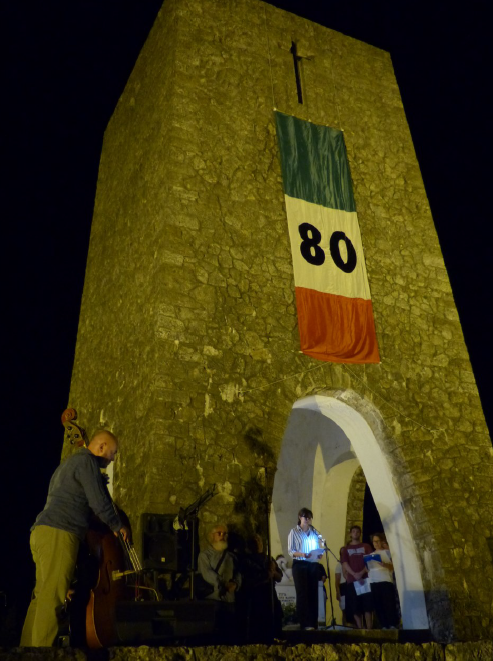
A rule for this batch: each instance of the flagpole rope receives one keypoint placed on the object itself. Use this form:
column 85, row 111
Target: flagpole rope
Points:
column 270, row 59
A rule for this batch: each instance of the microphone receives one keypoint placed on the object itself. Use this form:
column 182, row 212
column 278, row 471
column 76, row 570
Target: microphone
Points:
column 180, row 521
column 319, row 535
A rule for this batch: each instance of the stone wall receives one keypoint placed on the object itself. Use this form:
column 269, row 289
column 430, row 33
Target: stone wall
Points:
column 356, row 501
column 188, row 345
column 480, row 651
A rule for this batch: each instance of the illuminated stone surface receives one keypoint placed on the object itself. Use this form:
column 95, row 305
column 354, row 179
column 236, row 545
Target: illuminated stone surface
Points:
column 354, row 516
column 479, row 651
column 188, row 312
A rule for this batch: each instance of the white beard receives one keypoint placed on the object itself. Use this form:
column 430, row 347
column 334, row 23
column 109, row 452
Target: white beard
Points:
column 220, row 546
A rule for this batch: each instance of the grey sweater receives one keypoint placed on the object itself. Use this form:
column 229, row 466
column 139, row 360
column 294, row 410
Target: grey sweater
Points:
column 76, row 488
column 208, row 561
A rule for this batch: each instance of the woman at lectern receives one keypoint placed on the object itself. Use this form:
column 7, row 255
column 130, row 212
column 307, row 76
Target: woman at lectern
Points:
column 304, row 548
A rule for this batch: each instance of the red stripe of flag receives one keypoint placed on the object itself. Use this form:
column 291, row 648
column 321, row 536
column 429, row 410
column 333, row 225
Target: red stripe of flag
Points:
column 336, row 328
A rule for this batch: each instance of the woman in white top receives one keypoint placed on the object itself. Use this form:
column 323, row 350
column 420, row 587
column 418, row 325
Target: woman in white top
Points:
column 304, row 548
column 380, row 573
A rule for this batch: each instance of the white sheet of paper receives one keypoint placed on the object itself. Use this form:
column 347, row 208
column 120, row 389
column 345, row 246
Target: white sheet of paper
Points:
column 315, row 555
column 362, row 586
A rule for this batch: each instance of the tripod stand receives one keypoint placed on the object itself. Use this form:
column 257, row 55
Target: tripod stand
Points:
column 189, row 514
column 327, row 550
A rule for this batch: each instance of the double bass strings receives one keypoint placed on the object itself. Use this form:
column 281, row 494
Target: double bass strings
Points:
column 129, row 548
column 134, row 558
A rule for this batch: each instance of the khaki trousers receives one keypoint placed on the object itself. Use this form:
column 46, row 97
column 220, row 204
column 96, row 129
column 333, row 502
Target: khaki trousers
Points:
column 55, row 554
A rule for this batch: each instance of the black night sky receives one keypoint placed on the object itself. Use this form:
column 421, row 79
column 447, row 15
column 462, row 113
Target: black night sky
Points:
column 63, row 67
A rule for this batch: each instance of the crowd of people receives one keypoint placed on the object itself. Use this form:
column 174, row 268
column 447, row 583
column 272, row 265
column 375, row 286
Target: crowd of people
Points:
column 364, row 581
column 241, row 581
column 364, row 577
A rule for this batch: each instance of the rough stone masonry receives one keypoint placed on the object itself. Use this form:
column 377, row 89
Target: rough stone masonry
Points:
column 475, row 651
column 188, row 345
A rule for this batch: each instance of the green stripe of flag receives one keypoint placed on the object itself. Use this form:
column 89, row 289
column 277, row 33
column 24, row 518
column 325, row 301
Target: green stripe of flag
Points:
column 314, row 163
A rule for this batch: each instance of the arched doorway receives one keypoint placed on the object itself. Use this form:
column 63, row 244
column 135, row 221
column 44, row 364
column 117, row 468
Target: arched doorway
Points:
column 325, row 441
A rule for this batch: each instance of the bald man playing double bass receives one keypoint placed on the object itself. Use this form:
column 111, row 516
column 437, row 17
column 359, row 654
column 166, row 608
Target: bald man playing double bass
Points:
column 76, row 490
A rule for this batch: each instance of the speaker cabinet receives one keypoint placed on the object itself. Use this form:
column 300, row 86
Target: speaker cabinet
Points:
column 163, row 547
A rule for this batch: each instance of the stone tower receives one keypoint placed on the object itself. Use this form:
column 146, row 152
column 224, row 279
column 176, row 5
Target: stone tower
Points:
column 188, row 346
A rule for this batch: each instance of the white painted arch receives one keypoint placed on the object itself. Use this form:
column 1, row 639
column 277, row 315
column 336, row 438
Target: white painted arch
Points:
column 327, row 453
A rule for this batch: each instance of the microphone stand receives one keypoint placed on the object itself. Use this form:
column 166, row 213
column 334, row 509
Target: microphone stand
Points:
column 190, row 513
column 327, row 550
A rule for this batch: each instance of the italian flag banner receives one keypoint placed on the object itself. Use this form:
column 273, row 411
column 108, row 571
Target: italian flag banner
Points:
column 335, row 314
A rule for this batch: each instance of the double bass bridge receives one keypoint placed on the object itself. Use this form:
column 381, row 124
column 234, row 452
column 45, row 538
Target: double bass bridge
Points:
column 117, row 575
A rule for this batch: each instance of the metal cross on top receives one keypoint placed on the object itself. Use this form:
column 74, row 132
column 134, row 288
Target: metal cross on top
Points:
column 296, row 60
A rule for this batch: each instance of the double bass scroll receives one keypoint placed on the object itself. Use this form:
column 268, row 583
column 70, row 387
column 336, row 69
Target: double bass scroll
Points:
column 74, row 433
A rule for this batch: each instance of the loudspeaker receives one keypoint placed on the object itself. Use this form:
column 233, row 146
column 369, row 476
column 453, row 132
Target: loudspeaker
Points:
column 163, row 547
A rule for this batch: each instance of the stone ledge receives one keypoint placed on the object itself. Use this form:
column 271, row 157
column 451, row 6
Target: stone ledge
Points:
column 476, row 651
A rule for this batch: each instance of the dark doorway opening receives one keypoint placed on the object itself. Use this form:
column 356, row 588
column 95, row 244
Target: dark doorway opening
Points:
column 371, row 518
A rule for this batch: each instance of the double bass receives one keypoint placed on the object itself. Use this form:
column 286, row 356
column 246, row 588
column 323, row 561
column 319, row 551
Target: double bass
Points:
column 111, row 559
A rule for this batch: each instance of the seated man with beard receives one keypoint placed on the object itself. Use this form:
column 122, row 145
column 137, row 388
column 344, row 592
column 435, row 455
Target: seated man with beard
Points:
column 218, row 566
